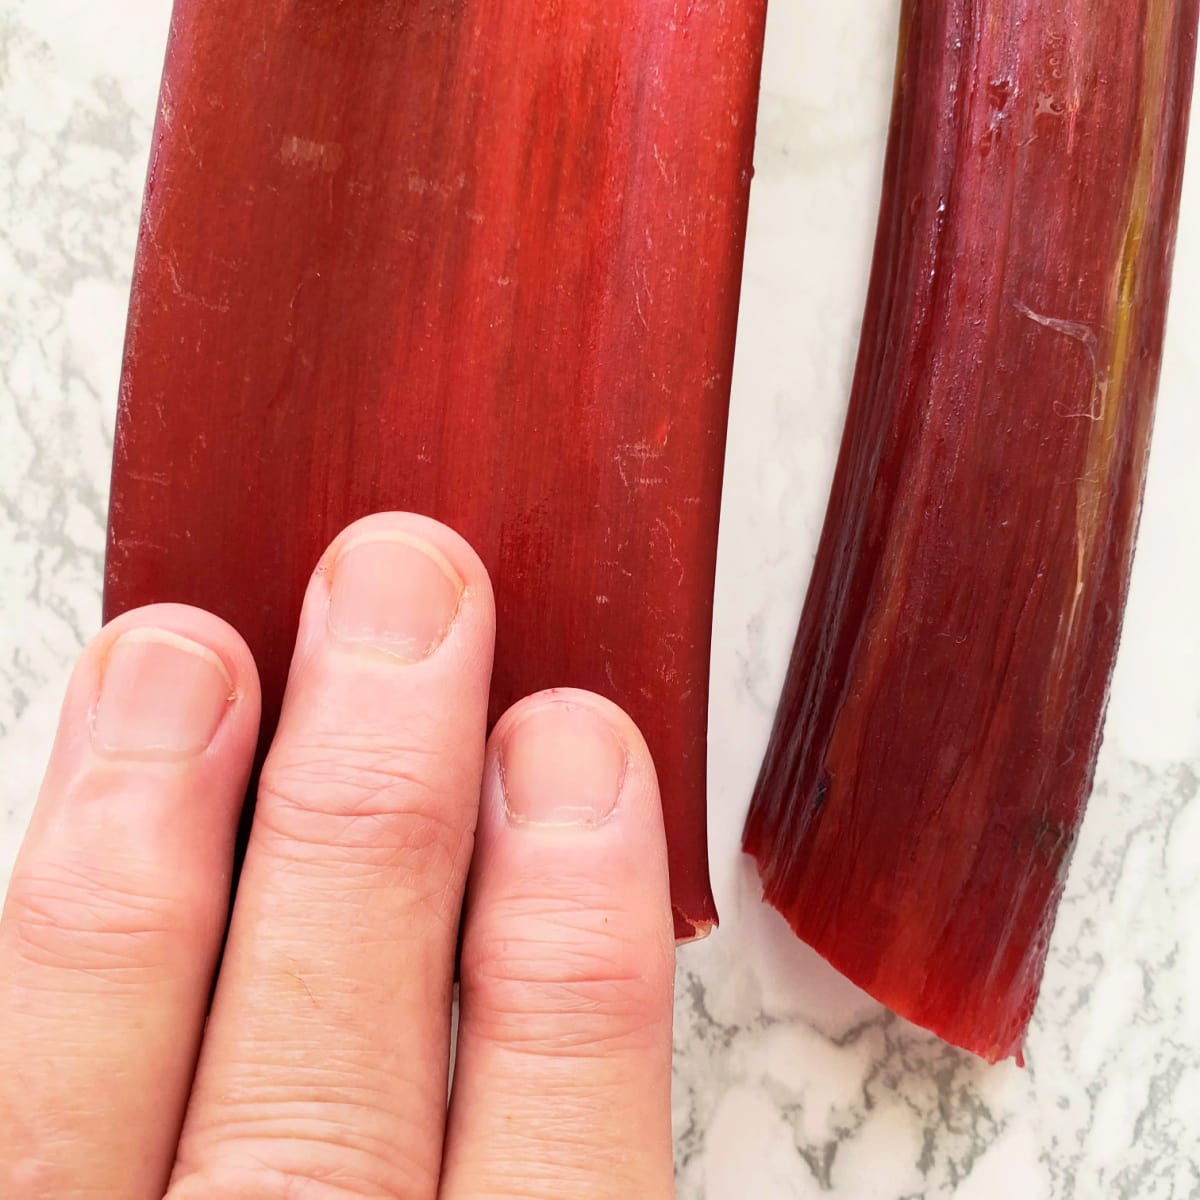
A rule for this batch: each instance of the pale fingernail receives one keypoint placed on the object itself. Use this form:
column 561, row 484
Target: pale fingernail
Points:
column 162, row 696
column 394, row 592
column 561, row 764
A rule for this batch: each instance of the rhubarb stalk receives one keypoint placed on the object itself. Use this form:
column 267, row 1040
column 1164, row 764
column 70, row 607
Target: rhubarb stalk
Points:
column 474, row 258
column 940, row 722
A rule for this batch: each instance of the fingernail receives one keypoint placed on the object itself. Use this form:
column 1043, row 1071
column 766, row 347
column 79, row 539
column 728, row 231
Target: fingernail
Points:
column 561, row 764
column 396, row 593
column 161, row 696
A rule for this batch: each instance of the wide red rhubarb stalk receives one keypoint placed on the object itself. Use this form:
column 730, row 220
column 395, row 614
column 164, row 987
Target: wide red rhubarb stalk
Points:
column 942, row 713
column 475, row 258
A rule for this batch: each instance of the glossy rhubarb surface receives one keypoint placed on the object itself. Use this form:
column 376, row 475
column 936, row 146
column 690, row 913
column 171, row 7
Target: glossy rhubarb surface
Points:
column 479, row 260
column 939, row 726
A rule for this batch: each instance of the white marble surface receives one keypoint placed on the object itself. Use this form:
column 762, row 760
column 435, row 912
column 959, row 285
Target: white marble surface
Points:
column 790, row 1083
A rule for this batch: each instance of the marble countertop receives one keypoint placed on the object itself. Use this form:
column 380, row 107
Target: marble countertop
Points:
column 790, row 1082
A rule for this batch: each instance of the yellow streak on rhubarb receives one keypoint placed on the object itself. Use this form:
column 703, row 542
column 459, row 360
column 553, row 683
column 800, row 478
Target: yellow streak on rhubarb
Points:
column 1106, row 417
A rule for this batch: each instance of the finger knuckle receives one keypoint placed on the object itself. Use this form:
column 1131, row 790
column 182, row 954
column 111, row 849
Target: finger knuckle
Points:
column 360, row 803
column 89, row 918
column 297, row 1152
column 267, row 1184
column 567, row 975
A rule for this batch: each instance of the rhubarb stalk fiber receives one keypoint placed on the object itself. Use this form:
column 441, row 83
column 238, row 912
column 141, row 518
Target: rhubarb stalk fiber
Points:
column 941, row 717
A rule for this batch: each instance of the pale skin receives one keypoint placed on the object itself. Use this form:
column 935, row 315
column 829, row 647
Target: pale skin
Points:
column 386, row 820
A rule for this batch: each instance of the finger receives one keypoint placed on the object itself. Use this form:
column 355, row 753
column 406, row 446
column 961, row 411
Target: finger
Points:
column 563, row 1070
column 112, row 925
column 325, row 1060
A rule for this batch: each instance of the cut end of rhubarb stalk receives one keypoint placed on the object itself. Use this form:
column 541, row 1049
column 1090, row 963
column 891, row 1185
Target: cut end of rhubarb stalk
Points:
column 938, row 731
column 693, row 929
column 993, row 1033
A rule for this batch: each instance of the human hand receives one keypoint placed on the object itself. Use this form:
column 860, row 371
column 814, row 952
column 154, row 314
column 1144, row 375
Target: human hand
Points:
column 321, row 1071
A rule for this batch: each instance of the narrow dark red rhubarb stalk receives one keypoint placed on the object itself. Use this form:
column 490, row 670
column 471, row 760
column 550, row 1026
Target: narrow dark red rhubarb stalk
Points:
column 476, row 258
column 939, row 726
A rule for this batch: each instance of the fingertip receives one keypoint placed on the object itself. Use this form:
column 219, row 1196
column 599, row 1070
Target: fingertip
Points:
column 622, row 724
column 403, row 584
column 458, row 553
column 565, row 751
column 570, row 815
column 193, row 624
column 225, row 723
